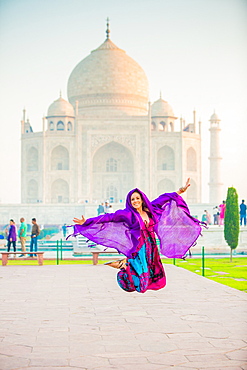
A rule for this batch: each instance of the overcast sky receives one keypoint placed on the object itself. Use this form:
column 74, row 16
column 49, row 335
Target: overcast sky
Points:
column 193, row 51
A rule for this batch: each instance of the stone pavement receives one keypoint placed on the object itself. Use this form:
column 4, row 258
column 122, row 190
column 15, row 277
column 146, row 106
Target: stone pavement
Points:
column 76, row 317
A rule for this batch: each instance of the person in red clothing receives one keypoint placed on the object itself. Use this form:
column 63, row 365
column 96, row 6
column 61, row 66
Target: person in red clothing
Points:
column 222, row 208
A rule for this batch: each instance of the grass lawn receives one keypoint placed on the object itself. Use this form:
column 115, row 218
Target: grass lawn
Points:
column 233, row 274
column 221, row 270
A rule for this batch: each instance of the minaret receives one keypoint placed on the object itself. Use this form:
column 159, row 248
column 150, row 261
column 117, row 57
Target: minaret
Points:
column 215, row 185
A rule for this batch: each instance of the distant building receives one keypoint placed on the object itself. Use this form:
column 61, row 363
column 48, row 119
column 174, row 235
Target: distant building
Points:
column 108, row 139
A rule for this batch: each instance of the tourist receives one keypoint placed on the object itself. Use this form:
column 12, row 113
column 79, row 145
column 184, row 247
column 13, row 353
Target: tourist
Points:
column 131, row 232
column 216, row 215
column 34, row 237
column 101, row 209
column 243, row 213
column 222, row 208
column 64, row 229
column 206, row 217
column 106, row 207
column 22, row 235
column 110, row 210
column 12, row 235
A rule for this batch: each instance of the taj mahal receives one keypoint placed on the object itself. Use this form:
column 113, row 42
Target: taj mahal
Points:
column 107, row 138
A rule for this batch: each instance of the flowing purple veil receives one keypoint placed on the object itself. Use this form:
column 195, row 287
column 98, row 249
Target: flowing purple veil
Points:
column 176, row 229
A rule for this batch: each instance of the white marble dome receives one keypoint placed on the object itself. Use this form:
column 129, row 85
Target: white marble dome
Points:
column 108, row 78
column 60, row 108
column 160, row 108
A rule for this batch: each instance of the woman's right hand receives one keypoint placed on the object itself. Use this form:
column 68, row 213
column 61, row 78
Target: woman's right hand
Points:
column 79, row 221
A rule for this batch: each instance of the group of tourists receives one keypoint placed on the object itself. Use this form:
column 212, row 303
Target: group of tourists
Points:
column 12, row 234
column 104, row 208
column 219, row 214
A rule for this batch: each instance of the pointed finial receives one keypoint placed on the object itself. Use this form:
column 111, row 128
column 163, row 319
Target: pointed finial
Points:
column 60, row 93
column 160, row 94
column 107, row 29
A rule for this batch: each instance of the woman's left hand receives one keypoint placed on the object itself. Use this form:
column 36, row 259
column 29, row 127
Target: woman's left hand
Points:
column 79, row 221
column 184, row 188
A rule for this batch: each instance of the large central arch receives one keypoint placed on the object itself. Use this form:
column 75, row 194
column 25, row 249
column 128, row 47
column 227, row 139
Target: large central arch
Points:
column 113, row 172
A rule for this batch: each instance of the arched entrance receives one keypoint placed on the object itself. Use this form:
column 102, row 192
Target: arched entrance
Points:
column 113, row 172
column 33, row 159
column 165, row 186
column 60, row 158
column 191, row 159
column 60, row 191
column 166, row 159
column 192, row 192
column 32, row 191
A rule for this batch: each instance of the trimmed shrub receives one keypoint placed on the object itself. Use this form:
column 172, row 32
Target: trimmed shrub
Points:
column 231, row 222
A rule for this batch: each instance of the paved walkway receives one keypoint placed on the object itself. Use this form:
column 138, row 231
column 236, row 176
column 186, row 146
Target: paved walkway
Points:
column 76, row 317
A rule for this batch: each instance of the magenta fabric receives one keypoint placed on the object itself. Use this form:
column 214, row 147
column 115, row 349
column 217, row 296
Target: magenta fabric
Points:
column 222, row 210
column 173, row 224
column 144, row 270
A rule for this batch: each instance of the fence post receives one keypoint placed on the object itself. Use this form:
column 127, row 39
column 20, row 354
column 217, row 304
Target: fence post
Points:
column 174, row 261
column 57, row 254
column 61, row 249
column 203, row 262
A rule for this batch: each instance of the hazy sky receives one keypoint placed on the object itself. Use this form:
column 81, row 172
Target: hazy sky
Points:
column 194, row 51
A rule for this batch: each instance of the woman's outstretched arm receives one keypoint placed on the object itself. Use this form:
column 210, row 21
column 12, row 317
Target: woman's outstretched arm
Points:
column 184, row 188
column 163, row 198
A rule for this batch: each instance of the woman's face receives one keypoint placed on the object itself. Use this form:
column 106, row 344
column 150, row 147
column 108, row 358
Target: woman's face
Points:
column 136, row 200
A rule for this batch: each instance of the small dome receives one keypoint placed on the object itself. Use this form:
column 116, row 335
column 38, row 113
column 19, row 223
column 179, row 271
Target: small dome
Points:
column 214, row 117
column 160, row 108
column 60, row 108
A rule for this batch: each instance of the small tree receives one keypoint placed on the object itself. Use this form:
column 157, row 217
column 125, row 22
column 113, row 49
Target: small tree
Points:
column 231, row 222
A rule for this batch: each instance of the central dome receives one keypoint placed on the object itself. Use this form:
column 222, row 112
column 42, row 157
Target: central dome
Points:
column 109, row 80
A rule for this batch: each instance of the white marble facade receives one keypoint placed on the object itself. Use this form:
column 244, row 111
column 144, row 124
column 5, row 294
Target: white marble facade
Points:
column 108, row 139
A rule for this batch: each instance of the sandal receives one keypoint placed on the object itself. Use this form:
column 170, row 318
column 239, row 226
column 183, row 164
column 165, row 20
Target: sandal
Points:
column 119, row 264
